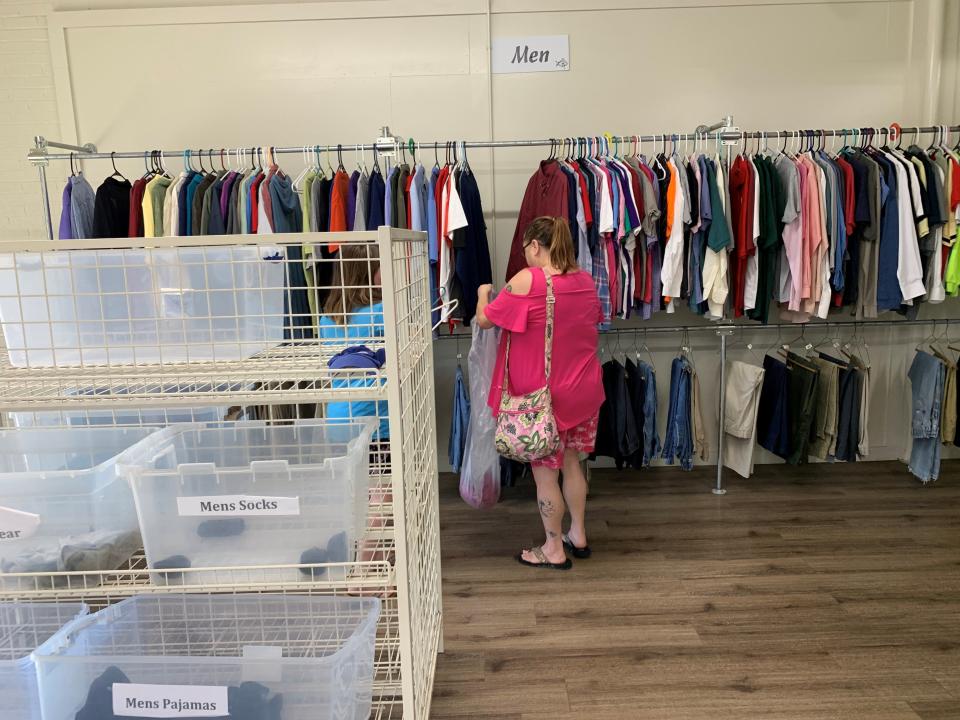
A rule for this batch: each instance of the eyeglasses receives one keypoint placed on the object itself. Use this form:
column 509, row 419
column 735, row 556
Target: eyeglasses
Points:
column 528, row 244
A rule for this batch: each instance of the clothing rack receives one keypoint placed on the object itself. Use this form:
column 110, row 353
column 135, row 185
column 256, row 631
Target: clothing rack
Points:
column 722, row 132
column 725, row 330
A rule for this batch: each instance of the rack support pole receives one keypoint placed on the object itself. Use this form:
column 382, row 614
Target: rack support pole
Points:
column 45, row 196
column 723, row 332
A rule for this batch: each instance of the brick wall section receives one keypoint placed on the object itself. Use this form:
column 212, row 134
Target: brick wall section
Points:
column 28, row 107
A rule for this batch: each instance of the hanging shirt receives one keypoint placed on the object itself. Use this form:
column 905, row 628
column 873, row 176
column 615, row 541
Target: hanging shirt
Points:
column 792, row 219
column 338, row 204
column 66, row 228
column 715, row 264
column 889, row 295
column 352, row 198
column 546, row 194
column 672, row 272
column 452, row 218
column 742, row 191
column 135, row 209
column 418, row 197
column 473, row 267
column 154, row 197
column 752, row 271
column 362, row 202
column 111, row 212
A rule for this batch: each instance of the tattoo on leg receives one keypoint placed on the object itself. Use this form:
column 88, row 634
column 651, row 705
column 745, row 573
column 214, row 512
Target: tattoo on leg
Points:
column 546, row 508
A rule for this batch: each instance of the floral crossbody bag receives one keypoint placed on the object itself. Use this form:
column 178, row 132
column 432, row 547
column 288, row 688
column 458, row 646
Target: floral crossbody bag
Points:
column 526, row 426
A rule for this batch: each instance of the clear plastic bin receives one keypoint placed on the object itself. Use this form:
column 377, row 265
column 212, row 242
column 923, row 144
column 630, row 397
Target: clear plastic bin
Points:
column 120, row 307
column 24, row 627
column 253, row 493
column 63, row 506
column 295, row 657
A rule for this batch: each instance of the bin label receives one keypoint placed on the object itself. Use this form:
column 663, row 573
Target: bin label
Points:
column 169, row 701
column 236, row 506
column 17, row 525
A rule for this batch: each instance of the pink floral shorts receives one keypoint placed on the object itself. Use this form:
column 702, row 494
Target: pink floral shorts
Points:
column 580, row 438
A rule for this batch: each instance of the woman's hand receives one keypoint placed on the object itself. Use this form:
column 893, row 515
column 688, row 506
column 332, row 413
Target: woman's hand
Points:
column 483, row 299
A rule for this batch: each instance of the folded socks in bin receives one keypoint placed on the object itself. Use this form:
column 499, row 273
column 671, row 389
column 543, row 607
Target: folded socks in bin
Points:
column 248, row 701
column 336, row 551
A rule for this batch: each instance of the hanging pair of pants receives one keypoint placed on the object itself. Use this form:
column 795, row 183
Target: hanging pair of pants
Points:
column 927, row 376
column 803, row 397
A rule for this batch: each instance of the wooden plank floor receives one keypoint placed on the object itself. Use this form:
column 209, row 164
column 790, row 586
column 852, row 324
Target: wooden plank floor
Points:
column 827, row 591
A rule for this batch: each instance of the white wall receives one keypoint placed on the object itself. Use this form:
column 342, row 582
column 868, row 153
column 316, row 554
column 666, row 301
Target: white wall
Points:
column 132, row 75
column 28, row 102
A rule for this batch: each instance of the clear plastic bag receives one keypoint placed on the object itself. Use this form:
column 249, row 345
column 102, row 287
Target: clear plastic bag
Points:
column 480, row 476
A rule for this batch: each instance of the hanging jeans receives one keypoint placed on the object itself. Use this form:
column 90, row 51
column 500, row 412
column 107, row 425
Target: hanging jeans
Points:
column 651, row 439
column 678, row 441
column 927, row 376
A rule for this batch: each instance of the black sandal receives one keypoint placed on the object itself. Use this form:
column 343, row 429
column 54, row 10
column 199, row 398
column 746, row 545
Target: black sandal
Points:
column 544, row 563
column 579, row 553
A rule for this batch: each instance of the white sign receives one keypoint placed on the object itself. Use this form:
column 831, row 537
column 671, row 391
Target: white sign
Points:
column 17, row 525
column 169, row 701
column 236, row 506
column 537, row 53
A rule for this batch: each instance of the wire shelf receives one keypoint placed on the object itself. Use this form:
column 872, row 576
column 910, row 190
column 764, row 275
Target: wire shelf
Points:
column 289, row 374
column 123, row 330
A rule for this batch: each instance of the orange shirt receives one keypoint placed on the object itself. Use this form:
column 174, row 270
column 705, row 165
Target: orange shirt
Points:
column 338, row 205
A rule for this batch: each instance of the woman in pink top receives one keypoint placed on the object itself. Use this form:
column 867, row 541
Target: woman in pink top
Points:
column 575, row 379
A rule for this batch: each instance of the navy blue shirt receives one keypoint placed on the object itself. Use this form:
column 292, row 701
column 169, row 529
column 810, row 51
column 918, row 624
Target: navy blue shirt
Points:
column 376, row 196
column 889, row 296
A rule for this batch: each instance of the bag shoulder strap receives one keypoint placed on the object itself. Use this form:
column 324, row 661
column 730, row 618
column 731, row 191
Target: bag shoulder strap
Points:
column 548, row 329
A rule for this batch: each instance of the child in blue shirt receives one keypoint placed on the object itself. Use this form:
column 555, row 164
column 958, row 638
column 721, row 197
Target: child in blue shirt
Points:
column 353, row 312
column 353, row 315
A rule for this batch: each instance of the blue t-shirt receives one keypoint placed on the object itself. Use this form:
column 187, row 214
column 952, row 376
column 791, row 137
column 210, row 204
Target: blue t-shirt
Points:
column 362, row 325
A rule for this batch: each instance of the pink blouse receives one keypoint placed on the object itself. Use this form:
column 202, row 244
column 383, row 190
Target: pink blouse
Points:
column 576, row 381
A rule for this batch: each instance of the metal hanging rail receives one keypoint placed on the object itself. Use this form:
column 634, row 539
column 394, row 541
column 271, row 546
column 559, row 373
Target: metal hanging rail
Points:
column 713, row 132
column 734, row 327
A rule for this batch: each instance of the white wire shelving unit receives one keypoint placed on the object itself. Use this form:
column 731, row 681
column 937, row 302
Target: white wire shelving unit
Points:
column 398, row 558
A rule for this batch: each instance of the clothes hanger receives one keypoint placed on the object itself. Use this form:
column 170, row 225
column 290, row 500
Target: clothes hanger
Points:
column 686, row 349
column 748, row 346
column 116, row 173
column 73, row 172
column 163, row 164
column 436, row 157
column 305, row 156
column 646, row 348
column 340, row 167
column 147, row 170
column 361, row 160
column 938, row 347
column 929, row 339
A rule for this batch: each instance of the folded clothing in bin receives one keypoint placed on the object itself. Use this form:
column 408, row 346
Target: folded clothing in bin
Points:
column 249, row 657
column 63, row 507
column 252, row 493
column 24, row 627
